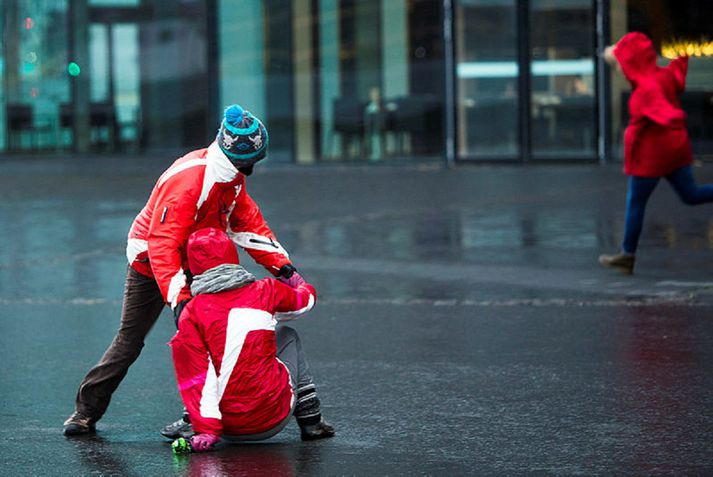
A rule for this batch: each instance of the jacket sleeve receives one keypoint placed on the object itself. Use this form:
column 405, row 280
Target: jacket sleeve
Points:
column 170, row 226
column 679, row 68
column 651, row 103
column 196, row 377
column 249, row 230
column 290, row 302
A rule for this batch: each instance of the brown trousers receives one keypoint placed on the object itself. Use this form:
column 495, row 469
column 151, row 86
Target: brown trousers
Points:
column 141, row 308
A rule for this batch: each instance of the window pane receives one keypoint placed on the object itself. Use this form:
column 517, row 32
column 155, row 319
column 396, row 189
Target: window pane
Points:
column 381, row 80
column 126, row 81
column 35, row 69
column 99, row 63
column 242, row 70
column 487, row 78
column 351, row 72
column 562, row 103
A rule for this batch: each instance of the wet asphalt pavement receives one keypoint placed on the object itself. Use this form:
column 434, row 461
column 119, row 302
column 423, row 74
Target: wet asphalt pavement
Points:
column 463, row 325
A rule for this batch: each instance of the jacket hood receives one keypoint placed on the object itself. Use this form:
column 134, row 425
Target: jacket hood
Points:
column 636, row 55
column 208, row 248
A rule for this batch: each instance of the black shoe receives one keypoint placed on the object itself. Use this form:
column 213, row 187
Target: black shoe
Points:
column 321, row 430
column 623, row 262
column 180, row 428
column 78, row 424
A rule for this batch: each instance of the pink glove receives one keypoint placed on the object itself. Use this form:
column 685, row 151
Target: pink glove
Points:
column 203, row 442
column 294, row 281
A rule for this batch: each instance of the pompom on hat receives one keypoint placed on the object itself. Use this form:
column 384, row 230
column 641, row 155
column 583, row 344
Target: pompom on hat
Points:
column 242, row 137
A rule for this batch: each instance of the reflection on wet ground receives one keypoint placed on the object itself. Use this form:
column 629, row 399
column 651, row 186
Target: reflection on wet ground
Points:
column 464, row 326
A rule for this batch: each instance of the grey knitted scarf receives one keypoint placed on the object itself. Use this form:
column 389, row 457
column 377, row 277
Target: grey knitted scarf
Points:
column 223, row 277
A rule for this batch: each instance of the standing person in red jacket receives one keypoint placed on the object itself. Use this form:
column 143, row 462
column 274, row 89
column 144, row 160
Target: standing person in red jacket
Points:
column 204, row 188
column 238, row 375
column 656, row 141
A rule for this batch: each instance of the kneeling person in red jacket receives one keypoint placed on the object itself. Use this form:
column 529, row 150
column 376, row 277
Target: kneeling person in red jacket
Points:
column 238, row 375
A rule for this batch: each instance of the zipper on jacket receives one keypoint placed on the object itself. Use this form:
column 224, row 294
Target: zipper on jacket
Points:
column 271, row 242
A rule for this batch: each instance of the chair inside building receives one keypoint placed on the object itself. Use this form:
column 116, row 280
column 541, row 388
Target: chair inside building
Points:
column 20, row 125
column 102, row 124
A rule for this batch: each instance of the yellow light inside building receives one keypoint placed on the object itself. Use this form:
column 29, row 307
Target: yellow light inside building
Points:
column 675, row 48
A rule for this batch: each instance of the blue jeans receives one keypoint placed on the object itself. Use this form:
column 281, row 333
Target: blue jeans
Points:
column 640, row 189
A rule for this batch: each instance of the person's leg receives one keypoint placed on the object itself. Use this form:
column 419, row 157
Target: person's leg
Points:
column 638, row 193
column 141, row 308
column 685, row 186
column 640, row 189
column 307, row 408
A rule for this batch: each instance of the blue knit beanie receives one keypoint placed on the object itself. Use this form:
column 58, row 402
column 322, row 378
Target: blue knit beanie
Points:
column 242, row 137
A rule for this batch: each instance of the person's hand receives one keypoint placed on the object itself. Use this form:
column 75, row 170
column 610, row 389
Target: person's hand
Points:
column 294, row 281
column 203, row 442
column 177, row 311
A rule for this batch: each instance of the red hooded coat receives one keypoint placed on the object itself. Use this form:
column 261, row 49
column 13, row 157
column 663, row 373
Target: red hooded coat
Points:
column 224, row 352
column 656, row 140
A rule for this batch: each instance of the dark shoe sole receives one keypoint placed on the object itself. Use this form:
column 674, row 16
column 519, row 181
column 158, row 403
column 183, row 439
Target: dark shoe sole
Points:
column 77, row 430
column 314, row 437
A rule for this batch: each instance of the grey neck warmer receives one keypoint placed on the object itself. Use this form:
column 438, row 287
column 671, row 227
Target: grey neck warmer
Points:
column 223, row 277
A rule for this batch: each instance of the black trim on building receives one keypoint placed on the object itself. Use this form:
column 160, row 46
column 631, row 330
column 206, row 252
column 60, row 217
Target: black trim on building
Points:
column 524, row 58
column 317, row 83
column 213, row 47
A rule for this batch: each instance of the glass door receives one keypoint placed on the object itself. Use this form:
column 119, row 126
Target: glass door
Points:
column 562, row 78
column 487, row 79
column 525, row 79
column 380, row 85
column 114, row 90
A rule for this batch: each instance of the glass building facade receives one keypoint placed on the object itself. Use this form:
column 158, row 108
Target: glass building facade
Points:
column 367, row 81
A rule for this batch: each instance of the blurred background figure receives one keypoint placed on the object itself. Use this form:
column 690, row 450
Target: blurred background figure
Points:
column 656, row 141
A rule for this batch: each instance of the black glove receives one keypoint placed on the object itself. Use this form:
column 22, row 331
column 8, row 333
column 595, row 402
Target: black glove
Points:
column 286, row 271
column 177, row 311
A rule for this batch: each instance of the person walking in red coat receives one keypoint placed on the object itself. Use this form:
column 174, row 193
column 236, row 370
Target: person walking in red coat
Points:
column 239, row 375
column 656, row 141
column 204, row 188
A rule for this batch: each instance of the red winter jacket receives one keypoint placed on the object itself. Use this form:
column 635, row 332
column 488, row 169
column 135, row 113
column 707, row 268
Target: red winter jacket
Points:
column 201, row 189
column 224, row 353
column 656, row 140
